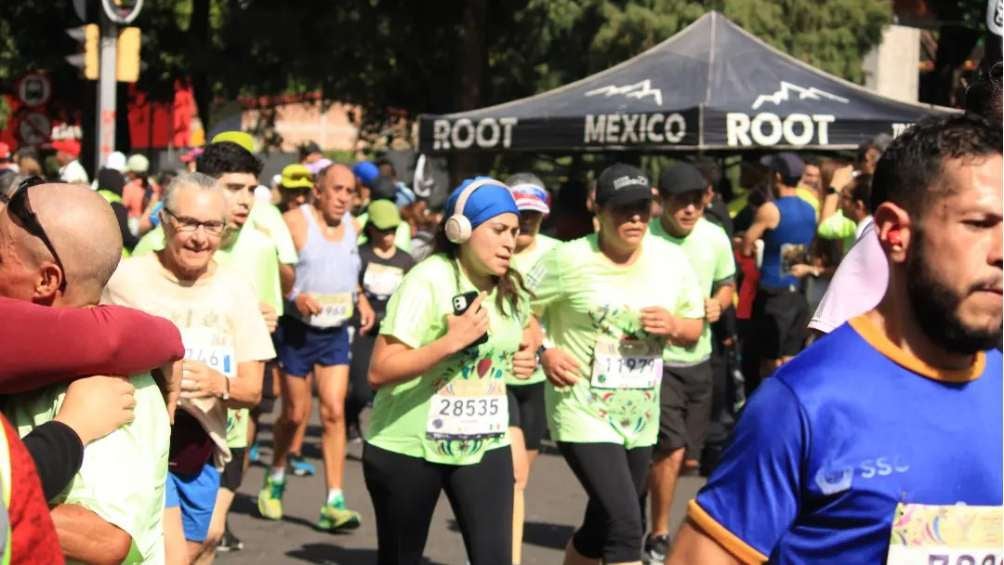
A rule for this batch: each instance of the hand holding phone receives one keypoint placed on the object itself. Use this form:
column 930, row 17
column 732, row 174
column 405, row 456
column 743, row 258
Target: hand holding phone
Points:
column 468, row 326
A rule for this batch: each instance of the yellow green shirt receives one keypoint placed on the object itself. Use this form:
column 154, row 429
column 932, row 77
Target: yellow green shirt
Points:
column 585, row 298
column 524, row 263
column 416, row 315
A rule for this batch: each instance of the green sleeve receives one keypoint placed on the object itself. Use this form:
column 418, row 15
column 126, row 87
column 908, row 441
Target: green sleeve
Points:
column 545, row 281
column 412, row 313
column 284, row 245
column 836, row 226
column 725, row 264
column 152, row 241
column 402, row 237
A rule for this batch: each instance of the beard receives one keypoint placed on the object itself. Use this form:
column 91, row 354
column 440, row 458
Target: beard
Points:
column 936, row 306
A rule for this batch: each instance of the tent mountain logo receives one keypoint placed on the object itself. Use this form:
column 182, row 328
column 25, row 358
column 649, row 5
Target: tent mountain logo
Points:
column 785, row 90
column 637, row 90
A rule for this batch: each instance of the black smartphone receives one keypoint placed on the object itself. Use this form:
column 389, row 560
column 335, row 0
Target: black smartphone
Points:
column 461, row 303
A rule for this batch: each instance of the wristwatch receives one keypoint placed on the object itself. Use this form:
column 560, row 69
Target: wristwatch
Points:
column 226, row 388
column 831, row 190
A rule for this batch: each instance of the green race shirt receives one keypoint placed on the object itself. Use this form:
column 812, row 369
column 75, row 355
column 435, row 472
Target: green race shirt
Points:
column 709, row 251
column 123, row 474
column 404, row 416
column 586, row 300
column 524, row 263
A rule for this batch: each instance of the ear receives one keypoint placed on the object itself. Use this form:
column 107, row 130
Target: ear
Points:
column 895, row 230
column 50, row 278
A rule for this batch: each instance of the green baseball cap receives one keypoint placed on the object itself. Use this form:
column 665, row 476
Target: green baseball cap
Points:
column 239, row 137
column 383, row 214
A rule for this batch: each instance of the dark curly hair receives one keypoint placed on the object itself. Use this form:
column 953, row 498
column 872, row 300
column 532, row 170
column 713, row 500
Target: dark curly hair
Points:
column 909, row 172
column 225, row 157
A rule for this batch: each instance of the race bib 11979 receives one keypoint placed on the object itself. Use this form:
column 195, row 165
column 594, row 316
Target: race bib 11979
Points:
column 627, row 363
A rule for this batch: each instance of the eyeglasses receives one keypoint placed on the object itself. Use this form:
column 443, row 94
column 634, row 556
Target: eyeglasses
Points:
column 19, row 207
column 186, row 224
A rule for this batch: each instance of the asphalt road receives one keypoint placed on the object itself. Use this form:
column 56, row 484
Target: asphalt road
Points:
column 554, row 505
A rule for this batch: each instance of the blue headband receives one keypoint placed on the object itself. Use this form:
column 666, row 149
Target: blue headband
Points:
column 486, row 202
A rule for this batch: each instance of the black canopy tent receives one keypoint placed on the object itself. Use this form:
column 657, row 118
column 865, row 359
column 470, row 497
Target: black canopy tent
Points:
column 711, row 87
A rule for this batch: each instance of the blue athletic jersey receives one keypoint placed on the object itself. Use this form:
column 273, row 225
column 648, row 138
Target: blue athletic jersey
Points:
column 828, row 446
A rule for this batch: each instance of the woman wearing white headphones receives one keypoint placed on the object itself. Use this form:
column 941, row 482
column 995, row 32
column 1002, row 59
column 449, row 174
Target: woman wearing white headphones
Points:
column 452, row 335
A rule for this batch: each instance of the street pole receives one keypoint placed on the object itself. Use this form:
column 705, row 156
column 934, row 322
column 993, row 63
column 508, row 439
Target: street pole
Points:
column 106, row 93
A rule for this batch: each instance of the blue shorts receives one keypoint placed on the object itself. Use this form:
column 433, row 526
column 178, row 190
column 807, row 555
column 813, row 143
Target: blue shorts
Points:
column 196, row 495
column 299, row 347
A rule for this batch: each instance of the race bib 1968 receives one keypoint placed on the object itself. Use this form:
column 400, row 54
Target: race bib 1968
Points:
column 335, row 310
column 947, row 535
column 468, row 409
column 212, row 347
column 627, row 363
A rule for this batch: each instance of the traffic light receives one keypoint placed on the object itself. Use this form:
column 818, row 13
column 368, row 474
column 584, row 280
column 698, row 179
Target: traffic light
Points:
column 127, row 57
column 89, row 36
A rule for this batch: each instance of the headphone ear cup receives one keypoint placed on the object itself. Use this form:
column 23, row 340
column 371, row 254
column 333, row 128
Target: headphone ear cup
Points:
column 458, row 229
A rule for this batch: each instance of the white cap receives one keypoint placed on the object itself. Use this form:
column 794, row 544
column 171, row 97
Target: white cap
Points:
column 116, row 160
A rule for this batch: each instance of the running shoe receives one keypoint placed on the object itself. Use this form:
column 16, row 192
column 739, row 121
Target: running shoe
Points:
column 300, row 466
column 336, row 517
column 656, row 549
column 229, row 542
column 270, row 499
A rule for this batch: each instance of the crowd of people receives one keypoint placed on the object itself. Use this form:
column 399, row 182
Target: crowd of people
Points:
column 150, row 322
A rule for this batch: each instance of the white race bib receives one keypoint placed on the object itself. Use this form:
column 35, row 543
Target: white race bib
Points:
column 627, row 363
column 335, row 310
column 947, row 535
column 468, row 409
column 211, row 347
column 382, row 280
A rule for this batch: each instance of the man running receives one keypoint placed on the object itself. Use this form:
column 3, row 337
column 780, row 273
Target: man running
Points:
column 882, row 442
column 313, row 336
column 787, row 226
column 685, row 398
column 226, row 344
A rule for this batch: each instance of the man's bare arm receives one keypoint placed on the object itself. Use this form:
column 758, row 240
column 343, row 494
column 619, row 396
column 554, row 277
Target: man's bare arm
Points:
column 84, row 536
column 694, row 546
column 767, row 217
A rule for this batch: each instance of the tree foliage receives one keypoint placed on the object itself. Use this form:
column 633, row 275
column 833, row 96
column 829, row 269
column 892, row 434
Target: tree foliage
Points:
column 416, row 56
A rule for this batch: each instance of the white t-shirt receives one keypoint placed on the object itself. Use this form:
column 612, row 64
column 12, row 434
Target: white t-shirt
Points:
column 858, row 285
column 219, row 321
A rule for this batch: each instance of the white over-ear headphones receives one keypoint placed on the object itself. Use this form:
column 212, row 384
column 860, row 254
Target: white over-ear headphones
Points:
column 458, row 228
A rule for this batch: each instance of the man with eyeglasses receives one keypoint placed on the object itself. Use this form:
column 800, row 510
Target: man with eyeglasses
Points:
column 112, row 506
column 685, row 399
column 226, row 344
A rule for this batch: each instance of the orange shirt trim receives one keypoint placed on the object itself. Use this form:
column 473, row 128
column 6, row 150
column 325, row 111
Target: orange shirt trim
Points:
column 874, row 336
column 737, row 547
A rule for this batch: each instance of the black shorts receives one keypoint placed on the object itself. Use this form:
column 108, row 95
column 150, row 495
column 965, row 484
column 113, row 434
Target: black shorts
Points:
column 780, row 322
column 233, row 471
column 527, row 412
column 684, row 409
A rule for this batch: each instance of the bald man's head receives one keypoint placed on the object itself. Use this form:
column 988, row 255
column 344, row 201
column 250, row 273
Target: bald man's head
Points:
column 83, row 230
column 335, row 187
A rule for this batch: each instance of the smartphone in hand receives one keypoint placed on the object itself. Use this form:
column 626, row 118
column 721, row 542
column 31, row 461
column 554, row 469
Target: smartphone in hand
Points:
column 461, row 303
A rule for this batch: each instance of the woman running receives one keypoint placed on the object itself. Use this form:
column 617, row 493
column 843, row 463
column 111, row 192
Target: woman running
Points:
column 527, row 416
column 451, row 338
column 612, row 302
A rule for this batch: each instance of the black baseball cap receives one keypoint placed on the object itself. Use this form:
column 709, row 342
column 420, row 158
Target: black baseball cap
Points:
column 788, row 165
column 622, row 184
column 681, row 178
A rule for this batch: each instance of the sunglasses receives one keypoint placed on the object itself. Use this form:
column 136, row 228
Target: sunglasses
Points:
column 19, row 208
